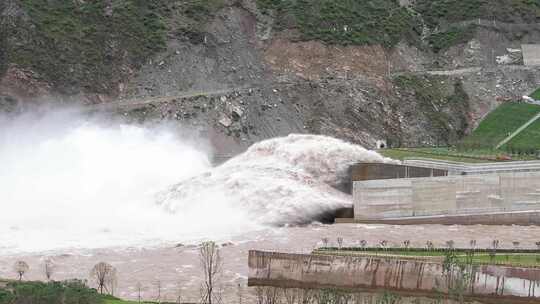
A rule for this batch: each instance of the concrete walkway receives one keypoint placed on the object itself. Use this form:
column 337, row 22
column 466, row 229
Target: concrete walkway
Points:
column 519, row 130
column 457, row 168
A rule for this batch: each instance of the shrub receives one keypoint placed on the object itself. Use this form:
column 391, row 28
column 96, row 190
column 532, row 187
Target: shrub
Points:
column 72, row 292
column 345, row 22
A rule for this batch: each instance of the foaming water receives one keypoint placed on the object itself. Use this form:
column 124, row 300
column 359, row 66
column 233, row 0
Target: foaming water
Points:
column 281, row 181
column 73, row 182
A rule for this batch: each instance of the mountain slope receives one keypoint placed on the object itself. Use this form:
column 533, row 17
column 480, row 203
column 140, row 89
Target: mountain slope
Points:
column 354, row 70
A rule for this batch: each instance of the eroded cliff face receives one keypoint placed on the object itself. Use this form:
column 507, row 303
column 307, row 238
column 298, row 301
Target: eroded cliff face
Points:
column 259, row 72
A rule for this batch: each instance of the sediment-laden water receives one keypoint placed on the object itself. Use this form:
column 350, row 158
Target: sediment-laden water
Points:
column 71, row 181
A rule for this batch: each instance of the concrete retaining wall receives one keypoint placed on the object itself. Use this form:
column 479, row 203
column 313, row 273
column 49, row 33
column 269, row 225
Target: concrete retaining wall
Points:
column 382, row 273
column 458, row 168
column 531, row 54
column 374, row 171
column 524, row 218
column 447, row 196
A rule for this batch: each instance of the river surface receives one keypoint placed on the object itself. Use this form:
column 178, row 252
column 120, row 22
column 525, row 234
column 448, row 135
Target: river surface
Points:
column 177, row 266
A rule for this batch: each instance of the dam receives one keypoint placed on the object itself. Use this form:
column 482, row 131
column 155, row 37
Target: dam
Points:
column 436, row 192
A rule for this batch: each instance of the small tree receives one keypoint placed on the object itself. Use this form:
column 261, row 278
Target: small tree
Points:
column 211, row 264
column 240, row 293
column 450, row 244
column 494, row 247
column 139, row 291
column 340, row 242
column 179, row 292
column 516, row 248
column 430, row 246
column 21, row 267
column 48, row 268
column 325, row 242
column 363, row 244
column 406, row 244
column 290, row 295
column 158, row 287
column 259, row 293
column 472, row 243
column 538, row 255
column 105, row 277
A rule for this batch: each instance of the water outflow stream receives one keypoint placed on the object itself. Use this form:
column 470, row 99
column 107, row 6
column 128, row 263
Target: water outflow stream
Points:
column 73, row 182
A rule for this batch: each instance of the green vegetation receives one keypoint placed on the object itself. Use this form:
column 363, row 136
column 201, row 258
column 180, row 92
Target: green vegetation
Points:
column 440, row 13
column 111, row 300
column 525, row 258
column 437, row 12
column 436, row 100
column 49, row 293
column 344, row 22
column 536, row 94
column 499, row 124
column 83, row 43
column 385, row 22
column 92, row 44
column 441, row 41
column 69, row 292
column 437, row 153
column 526, row 142
column 480, row 145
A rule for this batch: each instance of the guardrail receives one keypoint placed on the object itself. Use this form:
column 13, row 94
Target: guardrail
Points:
column 479, row 168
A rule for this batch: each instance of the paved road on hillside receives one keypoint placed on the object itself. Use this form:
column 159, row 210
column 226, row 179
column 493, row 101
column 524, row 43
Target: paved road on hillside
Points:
column 455, row 72
column 140, row 102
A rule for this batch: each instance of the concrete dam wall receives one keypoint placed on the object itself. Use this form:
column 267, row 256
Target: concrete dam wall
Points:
column 403, row 276
column 447, row 196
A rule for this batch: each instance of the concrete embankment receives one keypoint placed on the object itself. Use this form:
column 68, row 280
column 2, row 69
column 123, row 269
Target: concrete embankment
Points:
column 498, row 284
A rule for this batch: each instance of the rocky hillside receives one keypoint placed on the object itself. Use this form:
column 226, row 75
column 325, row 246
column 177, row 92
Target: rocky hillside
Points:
column 409, row 72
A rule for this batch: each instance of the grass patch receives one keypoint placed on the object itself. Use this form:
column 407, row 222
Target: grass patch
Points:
column 433, row 153
column 526, row 258
column 74, row 291
column 527, row 142
column 536, row 94
column 345, row 22
column 118, row 301
column 498, row 125
column 49, row 293
column 92, row 44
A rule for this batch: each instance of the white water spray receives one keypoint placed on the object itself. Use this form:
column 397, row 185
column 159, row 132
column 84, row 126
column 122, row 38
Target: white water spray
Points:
column 69, row 182
column 281, row 181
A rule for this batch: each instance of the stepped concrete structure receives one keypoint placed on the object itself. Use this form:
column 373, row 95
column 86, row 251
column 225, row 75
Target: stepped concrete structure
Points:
column 498, row 193
column 531, row 54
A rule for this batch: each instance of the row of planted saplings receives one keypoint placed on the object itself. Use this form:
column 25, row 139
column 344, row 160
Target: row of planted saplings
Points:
column 429, row 246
